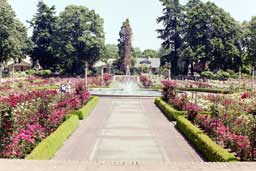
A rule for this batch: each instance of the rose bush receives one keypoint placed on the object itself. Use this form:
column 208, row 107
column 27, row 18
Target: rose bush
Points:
column 25, row 119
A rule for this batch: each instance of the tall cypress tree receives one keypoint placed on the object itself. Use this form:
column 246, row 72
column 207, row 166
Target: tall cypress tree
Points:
column 125, row 46
column 44, row 25
column 172, row 20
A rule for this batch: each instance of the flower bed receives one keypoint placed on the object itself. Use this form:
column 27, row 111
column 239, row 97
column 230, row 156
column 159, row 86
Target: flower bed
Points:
column 27, row 118
column 230, row 120
column 208, row 148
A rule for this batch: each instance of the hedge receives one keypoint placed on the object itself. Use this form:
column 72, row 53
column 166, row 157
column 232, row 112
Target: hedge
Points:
column 168, row 110
column 87, row 109
column 207, row 90
column 204, row 144
column 46, row 149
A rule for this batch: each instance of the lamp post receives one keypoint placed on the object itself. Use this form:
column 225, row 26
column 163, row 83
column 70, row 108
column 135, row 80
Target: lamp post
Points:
column 102, row 76
column 13, row 75
column 169, row 71
column 1, row 73
column 240, row 78
column 85, row 75
column 253, row 75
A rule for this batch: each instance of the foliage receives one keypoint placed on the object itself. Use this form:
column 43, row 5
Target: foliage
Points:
column 146, row 81
column 79, row 38
column 208, row 148
column 199, row 42
column 107, row 78
column 110, row 52
column 125, row 46
column 149, row 53
column 44, row 73
column 87, row 109
column 27, row 118
column 46, row 149
column 44, row 25
column 31, row 72
column 168, row 91
column 66, row 42
column 172, row 20
column 171, row 113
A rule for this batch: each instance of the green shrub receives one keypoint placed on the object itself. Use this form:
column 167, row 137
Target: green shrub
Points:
column 207, row 90
column 168, row 110
column 222, row 75
column 44, row 73
column 30, row 72
column 205, row 145
column 208, row 74
column 48, row 147
column 87, row 109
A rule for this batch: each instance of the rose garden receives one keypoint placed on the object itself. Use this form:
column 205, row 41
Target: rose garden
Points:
column 66, row 95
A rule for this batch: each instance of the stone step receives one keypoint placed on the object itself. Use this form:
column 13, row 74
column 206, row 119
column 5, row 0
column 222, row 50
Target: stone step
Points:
column 25, row 165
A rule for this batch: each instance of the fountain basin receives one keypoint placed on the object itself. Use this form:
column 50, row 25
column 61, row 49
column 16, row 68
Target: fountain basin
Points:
column 124, row 93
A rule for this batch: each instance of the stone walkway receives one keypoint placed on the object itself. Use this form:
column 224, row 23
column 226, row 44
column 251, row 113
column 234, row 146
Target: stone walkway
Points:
column 127, row 129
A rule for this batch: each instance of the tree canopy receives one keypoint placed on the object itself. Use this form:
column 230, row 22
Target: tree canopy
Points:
column 14, row 43
column 200, row 35
column 68, row 41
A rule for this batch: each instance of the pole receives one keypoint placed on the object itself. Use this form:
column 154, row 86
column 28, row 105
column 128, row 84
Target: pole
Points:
column 13, row 74
column 85, row 76
column 253, row 75
column 1, row 73
column 109, row 69
column 169, row 71
column 102, row 81
column 240, row 78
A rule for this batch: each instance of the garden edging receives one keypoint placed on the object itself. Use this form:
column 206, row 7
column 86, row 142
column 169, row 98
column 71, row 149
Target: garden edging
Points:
column 203, row 143
column 47, row 148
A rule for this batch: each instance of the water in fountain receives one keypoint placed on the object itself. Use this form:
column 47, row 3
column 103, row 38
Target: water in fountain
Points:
column 125, row 87
column 127, row 84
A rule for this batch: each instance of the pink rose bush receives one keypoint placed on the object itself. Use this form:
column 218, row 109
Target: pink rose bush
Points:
column 230, row 120
column 146, row 81
column 26, row 119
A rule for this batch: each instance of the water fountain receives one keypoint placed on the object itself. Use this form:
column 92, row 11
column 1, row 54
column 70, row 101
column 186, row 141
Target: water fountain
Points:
column 125, row 87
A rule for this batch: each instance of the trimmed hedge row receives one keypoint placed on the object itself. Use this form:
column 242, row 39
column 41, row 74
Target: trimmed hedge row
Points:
column 46, row 149
column 204, row 144
column 87, row 109
column 168, row 110
column 207, row 90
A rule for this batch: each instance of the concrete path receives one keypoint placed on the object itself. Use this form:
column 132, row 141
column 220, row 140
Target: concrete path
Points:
column 127, row 129
column 21, row 165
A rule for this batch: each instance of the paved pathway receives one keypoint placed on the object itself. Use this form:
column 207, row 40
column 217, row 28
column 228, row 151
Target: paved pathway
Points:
column 127, row 129
column 21, row 165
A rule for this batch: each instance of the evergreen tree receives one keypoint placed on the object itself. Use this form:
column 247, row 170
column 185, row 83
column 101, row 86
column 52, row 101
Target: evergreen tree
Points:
column 44, row 26
column 125, row 46
column 173, row 22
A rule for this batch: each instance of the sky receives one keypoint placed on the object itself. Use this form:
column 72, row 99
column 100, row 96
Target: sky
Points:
column 141, row 13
